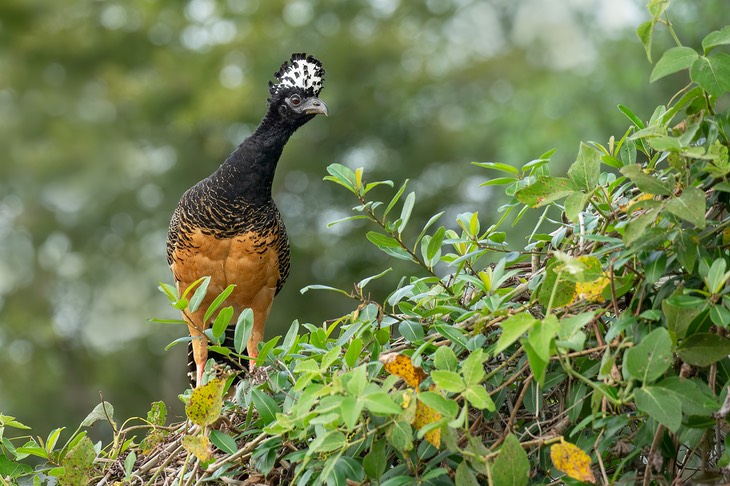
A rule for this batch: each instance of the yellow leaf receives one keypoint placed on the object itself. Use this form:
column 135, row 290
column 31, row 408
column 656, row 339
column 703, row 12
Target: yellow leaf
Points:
column 426, row 415
column 206, row 402
column 572, row 461
column 401, row 365
column 199, row 446
column 591, row 291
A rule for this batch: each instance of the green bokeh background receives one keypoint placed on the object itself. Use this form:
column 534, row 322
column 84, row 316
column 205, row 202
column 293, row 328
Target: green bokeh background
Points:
column 109, row 110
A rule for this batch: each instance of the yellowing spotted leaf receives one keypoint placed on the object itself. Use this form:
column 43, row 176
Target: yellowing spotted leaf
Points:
column 426, row 415
column 199, row 446
column 206, row 402
column 401, row 365
column 591, row 291
column 572, row 461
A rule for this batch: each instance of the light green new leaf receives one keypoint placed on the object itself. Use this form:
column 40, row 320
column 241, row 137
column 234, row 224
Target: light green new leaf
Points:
column 448, row 380
column 649, row 359
column 712, row 73
column 585, row 170
column 690, row 206
column 103, row 411
column 673, row 60
column 380, row 403
column 472, row 368
column 716, row 38
column 644, row 33
column 513, row 328
column 661, row 404
column 479, row 398
column 574, row 204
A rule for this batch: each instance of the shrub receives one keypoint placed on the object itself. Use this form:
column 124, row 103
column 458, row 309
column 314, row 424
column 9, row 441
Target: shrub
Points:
column 598, row 352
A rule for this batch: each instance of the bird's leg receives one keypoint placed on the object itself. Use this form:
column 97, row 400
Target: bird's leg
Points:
column 257, row 334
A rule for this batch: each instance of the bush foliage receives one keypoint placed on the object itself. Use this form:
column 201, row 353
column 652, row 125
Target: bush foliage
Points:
column 597, row 353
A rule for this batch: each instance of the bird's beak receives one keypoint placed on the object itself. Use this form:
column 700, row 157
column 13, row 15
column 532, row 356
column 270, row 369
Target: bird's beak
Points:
column 314, row 106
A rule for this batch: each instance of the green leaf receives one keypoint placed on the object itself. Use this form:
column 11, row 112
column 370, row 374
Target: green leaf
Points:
column 632, row 117
column 545, row 190
column 447, row 408
column 541, row 336
column 686, row 246
column 129, row 465
column 673, row 60
column 464, row 475
column 264, row 405
column 537, row 364
column 712, row 73
column 221, row 322
column 395, row 198
column 585, row 170
column 472, row 368
column 703, row 349
column 445, row 359
column 716, row 38
column 679, row 311
column 223, row 441
column 405, row 213
column 695, row 396
column 479, row 398
column 661, row 404
column 644, row 33
column 375, row 461
column 649, row 359
column 103, row 411
column 400, row 436
column 411, row 331
column 380, row 403
column 690, row 206
column 242, row 332
column 645, row 182
column 389, row 245
column 351, row 407
column 574, row 204
column 328, row 442
column 498, row 166
column 199, row 294
column 555, row 289
column 353, row 352
column 657, row 7
column 77, row 463
column 342, row 175
column 448, row 380
column 636, row 228
column 511, row 467
column 266, row 349
column 217, row 302
column 513, row 328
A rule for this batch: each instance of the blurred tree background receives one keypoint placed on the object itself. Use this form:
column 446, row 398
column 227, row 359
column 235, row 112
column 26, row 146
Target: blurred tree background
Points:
column 109, row 110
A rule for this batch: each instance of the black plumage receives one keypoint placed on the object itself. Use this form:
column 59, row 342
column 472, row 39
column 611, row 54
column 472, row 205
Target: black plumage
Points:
column 228, row 227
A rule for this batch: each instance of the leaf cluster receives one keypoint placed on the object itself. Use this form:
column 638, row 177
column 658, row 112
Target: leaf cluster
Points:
column 596, row 351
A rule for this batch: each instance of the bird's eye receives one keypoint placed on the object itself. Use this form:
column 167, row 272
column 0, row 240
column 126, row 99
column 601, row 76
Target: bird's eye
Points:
column 295, row 100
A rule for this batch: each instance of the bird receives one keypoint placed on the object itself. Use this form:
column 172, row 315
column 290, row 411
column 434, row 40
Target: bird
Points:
column 227, row 226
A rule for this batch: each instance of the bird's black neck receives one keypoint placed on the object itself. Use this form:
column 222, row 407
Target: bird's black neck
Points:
column 248, row 173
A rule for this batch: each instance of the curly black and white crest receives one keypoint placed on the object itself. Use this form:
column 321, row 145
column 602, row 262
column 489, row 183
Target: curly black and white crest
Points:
column 301, row 71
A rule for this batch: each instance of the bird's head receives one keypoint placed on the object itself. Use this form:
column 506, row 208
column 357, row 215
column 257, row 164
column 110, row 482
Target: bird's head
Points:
column 294, row 95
